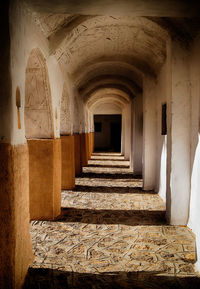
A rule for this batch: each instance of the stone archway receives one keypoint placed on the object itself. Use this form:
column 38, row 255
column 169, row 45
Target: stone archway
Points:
column 38, row 111
column 44, row 150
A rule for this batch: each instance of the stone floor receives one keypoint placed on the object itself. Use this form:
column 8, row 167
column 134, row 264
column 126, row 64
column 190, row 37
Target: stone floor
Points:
column 111, row 234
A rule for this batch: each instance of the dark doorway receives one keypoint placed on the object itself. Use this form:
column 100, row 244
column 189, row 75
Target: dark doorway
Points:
column 107, row 132
column 115, row 137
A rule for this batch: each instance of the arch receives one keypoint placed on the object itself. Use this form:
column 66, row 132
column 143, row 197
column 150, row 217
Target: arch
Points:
column 107, row 107
column 103, row 93
column 38, row 108
column 112, row 68
column 65, row 113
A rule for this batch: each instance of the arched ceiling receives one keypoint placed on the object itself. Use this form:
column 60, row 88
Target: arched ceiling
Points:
column 164, row 8
column 107, row 107
column 107, row 94
column 117, row 81
column 100, row 51
column 112, row 52
column 109, row 67
column 138, row 41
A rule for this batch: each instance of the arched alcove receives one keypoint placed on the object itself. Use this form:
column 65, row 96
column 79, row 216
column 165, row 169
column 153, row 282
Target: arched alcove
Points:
column 38, row 110
column 65, row 113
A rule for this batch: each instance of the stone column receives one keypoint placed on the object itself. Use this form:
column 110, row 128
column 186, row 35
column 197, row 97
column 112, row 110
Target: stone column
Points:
column 149, row 134
column 92, row 142
column 84, row 149
column 127, row 145
column 77, row 148
column 178, row 154
column 68, row 162
column 15, row 242
column 123, row 133
column 137, row 135
column 45, row 178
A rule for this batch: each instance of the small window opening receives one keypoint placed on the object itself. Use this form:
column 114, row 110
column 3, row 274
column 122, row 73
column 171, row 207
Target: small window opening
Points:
column 164, row 119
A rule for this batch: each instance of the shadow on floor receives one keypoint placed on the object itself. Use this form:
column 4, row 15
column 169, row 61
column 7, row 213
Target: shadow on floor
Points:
column 107, row 154
column 104, row 159
column 114, row 166
column 125, row 217
column 57, row 279
column 118, row 190
column 116, row 175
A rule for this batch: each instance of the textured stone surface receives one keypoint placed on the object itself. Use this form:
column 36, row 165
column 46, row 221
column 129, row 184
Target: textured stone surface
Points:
column 111, row 234
column 38, row 110
column 65, row 113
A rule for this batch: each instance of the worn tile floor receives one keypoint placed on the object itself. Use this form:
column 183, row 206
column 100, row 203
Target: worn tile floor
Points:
column 111, row 234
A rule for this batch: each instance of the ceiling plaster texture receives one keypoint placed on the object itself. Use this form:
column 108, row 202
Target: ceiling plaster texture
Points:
column 110, row 80
column 130, row 39
column 164, row 8
column 65, row 113
column 109, row 55
column 110, row 68
column 107, row 92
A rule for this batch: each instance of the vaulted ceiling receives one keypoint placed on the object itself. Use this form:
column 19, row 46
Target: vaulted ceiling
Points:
column 113, row 52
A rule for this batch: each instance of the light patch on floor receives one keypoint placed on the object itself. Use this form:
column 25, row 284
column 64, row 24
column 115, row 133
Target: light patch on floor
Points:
column 111, row 234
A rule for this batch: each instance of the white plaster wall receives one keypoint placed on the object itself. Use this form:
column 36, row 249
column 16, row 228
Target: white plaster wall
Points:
column 137, row 134
column 194, row 213
column 79, row 113
column 107, row 108
column 161, row 93
column 25, row 36
column 179, row 193
column 56, row 83
column 123, row 134
column 149, row 134
column 127, row 141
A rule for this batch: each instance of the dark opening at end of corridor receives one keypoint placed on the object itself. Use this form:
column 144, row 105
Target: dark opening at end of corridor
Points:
column 107, row 136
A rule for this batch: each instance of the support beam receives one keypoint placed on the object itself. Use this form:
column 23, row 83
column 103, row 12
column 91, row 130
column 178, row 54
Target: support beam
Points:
column 45, row 178
column 68, row 162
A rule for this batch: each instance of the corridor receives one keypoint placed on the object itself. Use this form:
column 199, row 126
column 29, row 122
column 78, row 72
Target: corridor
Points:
column 80, row 78
column 111, row 234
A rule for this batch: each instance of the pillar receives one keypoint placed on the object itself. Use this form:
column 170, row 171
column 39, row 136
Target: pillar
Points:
column 123, row 133
column 15, row 242
column 137, row 136
column 77, row 148
column 127, row 142
column 45, row 178
column 149, row 134
column 92, row 142
column 178, row 144
column 84, row 149
column 89, row 146
column 68, row 162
